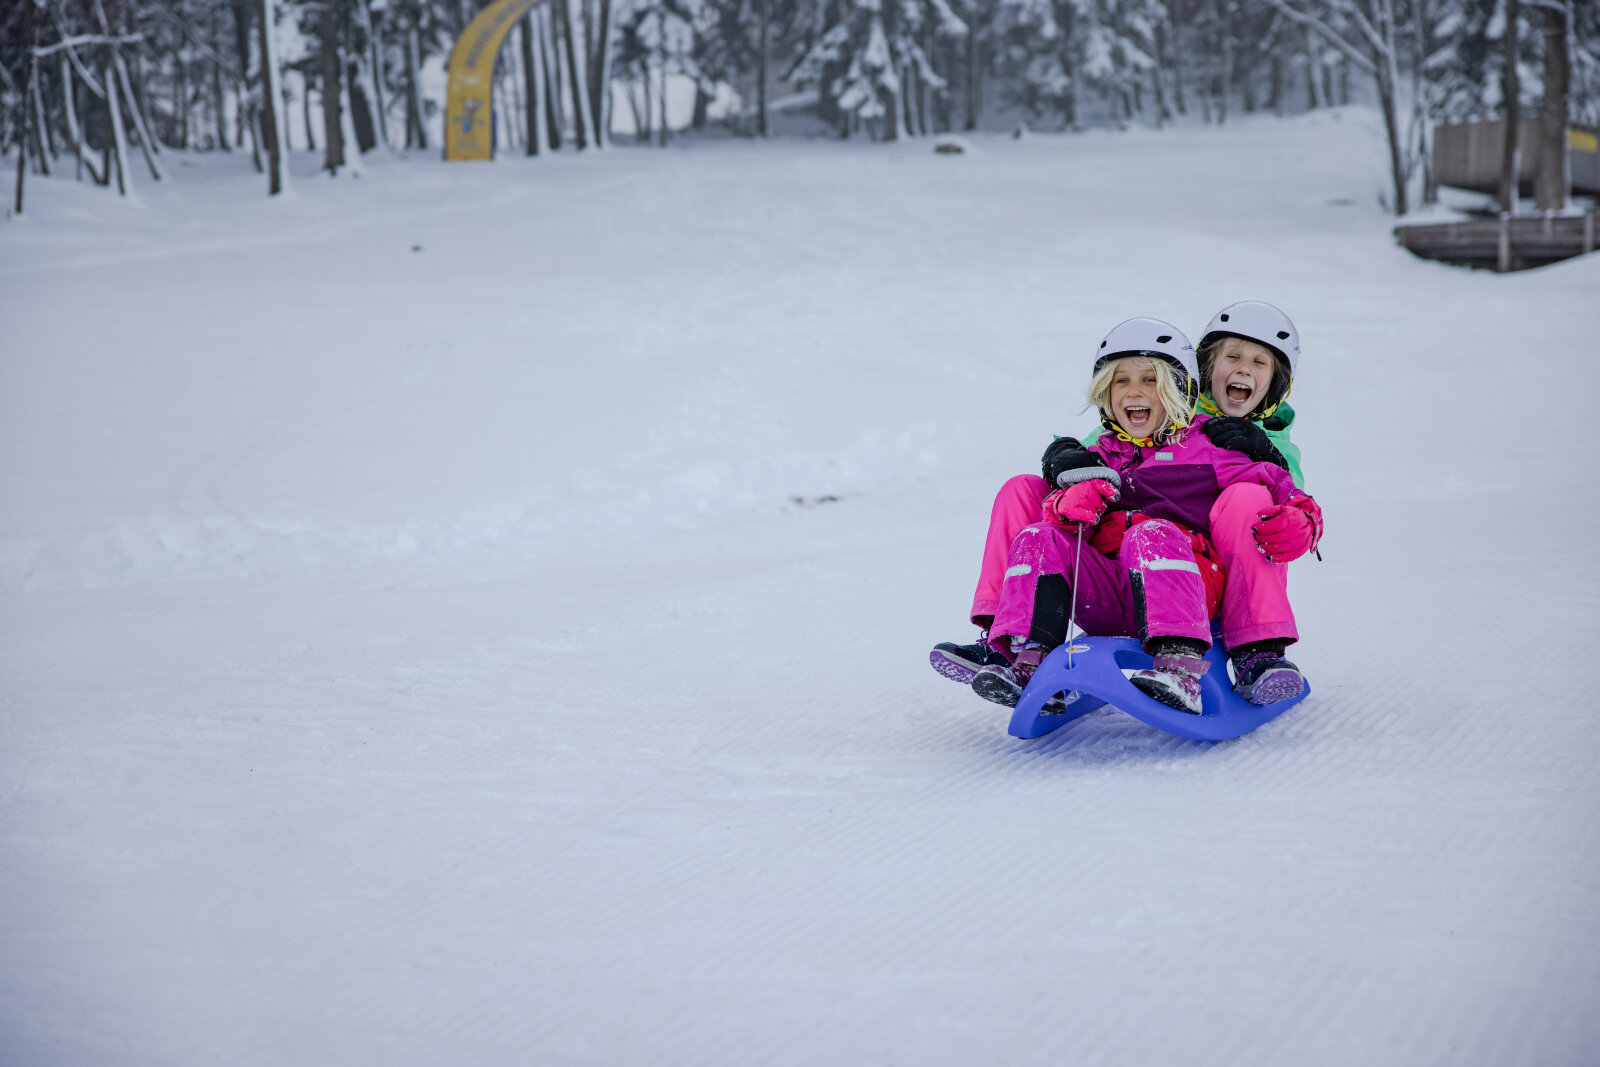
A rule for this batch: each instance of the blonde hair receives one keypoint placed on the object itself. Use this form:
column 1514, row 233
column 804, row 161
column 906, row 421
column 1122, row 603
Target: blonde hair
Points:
column 1178, row 408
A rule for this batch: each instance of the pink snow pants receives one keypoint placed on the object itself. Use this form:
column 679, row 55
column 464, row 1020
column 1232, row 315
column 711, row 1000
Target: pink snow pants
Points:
column 1152, row 589
column 1255, row 601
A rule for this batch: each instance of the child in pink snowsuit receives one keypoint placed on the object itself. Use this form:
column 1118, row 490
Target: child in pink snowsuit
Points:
column 1149, row 567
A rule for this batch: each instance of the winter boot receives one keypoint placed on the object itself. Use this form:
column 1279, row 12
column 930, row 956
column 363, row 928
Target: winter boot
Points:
column 960, row 663
column 1174, row 680
column 1262, row 675
column 1003, row 683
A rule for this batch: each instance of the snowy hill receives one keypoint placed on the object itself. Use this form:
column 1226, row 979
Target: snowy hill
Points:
column 479, row 614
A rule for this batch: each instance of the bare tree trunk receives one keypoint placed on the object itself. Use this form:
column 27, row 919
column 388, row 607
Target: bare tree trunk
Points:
column 549, row 63
column 244, row 120
column 1069, row 63
column 119, row 138
column 375, row 74
column 702, row 106
column 1158, row 75
column 581, row 122
column 30, row 33
column 332, row 88
column 180, row 93
column 925, row 96
column 1511, row 92
column 120, row 81
column 1175, row 49
column 416, row 128
column 69, row 107
column 1419, row 105
column 907, row 115
column 1224, row 82
column 41, row 132
column 272, row 123
column 909, row 91
column 253, row 118
column 22, row 162
column 347, row 129
column 600, row 75
column 219, row 107
column 362, row 128
column 662, row 127
column 1313, row 71
column 916, row 102
column 891, row 112
column 763, row 48
column 974, row 86
column 146, row 141
column 530, row 86
column 540, row 83
column 362, row 95
column 305, row 109
column 1387, row 62
column 1391, row 125
column 49, row 132
column 646, row 131
column 1550, row 185
column 136, row 89
column 633, row 106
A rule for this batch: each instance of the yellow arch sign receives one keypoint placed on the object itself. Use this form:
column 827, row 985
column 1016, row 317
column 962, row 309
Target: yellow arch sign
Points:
column 469, row 102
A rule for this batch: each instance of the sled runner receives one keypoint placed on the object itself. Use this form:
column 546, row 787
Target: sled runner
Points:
column 1095, row 679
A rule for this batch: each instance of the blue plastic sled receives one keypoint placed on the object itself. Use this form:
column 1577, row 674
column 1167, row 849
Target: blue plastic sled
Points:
column 1095, row 679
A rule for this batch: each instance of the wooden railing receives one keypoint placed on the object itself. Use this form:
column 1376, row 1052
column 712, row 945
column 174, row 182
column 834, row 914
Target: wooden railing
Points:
column 1504, row 243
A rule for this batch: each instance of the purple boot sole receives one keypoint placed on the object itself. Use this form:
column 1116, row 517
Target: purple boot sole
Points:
column 952, row 667
column 1279, row 682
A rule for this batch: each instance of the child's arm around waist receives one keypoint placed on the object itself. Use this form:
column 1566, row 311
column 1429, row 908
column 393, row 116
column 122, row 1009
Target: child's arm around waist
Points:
column 1235, row 467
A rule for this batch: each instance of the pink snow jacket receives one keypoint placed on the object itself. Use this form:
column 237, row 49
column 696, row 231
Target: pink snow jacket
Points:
column 1180, row 481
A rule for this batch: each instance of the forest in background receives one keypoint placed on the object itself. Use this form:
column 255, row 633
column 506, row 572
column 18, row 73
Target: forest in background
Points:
column 104, row 86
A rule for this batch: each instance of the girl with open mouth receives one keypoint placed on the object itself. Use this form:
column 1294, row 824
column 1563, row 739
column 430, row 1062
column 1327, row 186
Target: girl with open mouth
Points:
column 1230, row 499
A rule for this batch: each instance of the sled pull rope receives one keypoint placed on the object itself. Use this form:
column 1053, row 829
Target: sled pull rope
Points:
column 1072, row 612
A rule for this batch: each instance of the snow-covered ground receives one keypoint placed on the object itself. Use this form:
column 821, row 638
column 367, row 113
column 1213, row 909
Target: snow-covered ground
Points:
column 479, row 614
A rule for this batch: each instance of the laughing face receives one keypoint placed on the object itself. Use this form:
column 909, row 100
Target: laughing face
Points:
column 1241, row 373
column 1135, row 401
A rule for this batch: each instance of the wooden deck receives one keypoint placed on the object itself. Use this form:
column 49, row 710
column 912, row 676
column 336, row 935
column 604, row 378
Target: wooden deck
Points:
column 1502, row 244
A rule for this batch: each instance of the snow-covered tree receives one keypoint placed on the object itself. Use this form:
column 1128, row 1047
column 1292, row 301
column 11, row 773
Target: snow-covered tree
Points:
column 871, row 62
column 1057, row 50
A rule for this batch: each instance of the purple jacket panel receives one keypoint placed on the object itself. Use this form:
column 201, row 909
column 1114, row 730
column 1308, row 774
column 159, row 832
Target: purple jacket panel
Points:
column 1181, row 481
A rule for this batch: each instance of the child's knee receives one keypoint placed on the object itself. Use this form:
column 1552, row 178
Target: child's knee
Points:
column 1037, row 549
column 1023, row 489
column 1156, row 538
column 1240, row 503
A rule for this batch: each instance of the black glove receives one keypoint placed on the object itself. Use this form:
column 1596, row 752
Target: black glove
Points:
column 1242, row 435
column 1067, row 454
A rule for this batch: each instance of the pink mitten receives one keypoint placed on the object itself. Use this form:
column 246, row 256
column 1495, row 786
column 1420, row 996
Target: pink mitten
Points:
column 1082, row 503
column 1288, row 531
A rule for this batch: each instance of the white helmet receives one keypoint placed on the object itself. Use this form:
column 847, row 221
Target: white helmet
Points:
column 1259, row 321
column 1152, row 337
